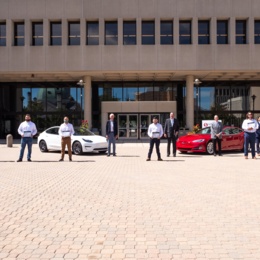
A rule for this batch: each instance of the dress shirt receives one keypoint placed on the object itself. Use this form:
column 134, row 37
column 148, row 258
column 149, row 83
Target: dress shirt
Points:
column 27, row 129
column 66, row 130
column 111, row 126
column 155, row 128
column 250, row 123
column 172, row 122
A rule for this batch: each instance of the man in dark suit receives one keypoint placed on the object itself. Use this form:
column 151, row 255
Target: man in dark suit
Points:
column 111, row 134
column 171, row 130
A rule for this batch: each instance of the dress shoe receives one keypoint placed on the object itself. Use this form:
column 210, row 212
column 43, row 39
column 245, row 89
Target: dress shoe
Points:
column 215, row 154
column 246, row 157
column 29, row 160
column 220, row 155
column 168, row 155
column 108, row 155
column 19, row 160
column 60, row 160
column 70, row 159
column 148, row 159
column 254, row 158
column 174, row 155
column 114, row 154
column 160, row 159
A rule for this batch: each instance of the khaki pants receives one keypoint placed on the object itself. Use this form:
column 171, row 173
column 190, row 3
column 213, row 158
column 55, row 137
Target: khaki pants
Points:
column 66, row 141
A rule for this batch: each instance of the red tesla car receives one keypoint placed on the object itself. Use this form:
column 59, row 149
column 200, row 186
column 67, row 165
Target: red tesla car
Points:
column 232, row 139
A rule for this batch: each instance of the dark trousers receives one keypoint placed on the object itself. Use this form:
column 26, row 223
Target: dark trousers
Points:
column 249, row 138
column 173, row 141
column 157, row 145
column 257, row 144
column 217, row 140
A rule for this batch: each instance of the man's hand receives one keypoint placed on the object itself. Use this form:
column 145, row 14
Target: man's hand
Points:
column 106, row 137
column 165, row 135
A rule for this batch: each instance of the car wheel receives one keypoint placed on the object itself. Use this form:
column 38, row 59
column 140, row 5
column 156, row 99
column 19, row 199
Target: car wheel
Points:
column 77, row 148
column 43, row 146
column 210, row 148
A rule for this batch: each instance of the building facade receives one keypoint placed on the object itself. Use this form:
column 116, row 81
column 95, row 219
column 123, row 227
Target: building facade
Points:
column 137, row 58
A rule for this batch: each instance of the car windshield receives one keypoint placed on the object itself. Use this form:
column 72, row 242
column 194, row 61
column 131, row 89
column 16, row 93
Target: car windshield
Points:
column 204, row 131
column 82, row 131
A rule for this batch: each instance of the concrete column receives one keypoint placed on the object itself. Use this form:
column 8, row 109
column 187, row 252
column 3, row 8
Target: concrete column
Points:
column 101, row 31
column 27, row 33
column 64, row 30
column 194, row 31
column 213, row 31
column 9, row 36
column 46, row 32
column 232, row 31
column 250, row 31
column 120, row 31
column 83, row 31
column 157, row 25
column 190, row 101
column 138, row 31
column 176, row 31
column 87, row 101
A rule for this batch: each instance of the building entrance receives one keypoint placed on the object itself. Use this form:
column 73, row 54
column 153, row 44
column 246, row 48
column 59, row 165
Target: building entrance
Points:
column 134, row 126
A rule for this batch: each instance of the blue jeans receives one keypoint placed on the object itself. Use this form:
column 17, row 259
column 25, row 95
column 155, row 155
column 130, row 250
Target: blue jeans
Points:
column 111, row 140
column 249, row 138
column 26, row 141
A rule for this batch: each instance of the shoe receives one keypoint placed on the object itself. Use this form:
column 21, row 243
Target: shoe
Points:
column 29, row 160
column 148, row 159
column 108, row 155
column 215, row 154
column 60, row 160
column 114, row 154
column 168, row 155
column 220, row 155
column 160, row 159
column 19, row 160
column 254, row 158
column 70, row 159
column 174, row 155
column 246, row 157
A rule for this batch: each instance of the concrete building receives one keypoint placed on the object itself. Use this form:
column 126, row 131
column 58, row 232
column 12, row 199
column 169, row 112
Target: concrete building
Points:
column 137, row 58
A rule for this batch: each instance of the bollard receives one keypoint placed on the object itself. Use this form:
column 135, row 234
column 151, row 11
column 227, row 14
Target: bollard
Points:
column 9, row 140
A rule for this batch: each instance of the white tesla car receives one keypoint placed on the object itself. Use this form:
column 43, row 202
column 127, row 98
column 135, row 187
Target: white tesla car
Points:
column 82, row 141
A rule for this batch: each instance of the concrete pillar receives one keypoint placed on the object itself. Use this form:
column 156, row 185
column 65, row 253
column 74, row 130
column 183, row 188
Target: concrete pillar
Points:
column 190, row 101
column 87, row 101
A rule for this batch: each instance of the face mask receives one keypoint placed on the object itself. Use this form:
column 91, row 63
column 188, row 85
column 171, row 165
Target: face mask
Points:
column 27, row 120
column 66, row 121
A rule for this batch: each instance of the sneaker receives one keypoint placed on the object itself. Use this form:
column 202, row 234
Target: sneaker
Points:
column 148, row 159
column 160, row 159
column 60, row 160
column 19, row 160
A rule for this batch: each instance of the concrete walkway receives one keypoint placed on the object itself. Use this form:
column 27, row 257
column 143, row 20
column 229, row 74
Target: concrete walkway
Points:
column 97, row 207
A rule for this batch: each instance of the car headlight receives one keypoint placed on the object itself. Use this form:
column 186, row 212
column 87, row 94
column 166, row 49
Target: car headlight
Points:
column 87, row 141
column 199, row 141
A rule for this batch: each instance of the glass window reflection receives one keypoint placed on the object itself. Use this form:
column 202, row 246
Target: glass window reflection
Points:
column 240, row 32
column 166, row 32
column 129, row 30
column 37, row 33
column 148, row 33
column 203, row 31
column 2, row 34
column 74, row 33
column 185, row 32
column 19, row 34
column 222, row 32
column 92, row 33
column 130, row 92
column 112, row 92
column 56, row 36
column 145, row 92
column 257, row 32
column 111, row 34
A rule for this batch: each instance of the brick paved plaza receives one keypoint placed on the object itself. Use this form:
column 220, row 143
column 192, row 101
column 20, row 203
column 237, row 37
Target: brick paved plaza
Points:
column 189, row 207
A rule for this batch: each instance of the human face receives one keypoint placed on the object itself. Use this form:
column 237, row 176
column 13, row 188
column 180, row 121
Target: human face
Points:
column 216, row 118
column 112, row 117
column 66, row 120
column 171, row 115
column 155, row 121
column 27, row 118
column 250, row 115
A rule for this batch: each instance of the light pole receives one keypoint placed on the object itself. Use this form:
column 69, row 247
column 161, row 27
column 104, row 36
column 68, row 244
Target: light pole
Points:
column 253, row 98
column 81, row 84
column 197, row 82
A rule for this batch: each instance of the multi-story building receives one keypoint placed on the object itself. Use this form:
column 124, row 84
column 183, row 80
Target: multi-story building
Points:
column 137, row 58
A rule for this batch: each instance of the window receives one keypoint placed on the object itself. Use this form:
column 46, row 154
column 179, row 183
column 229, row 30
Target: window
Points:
column 203, row 31
column 111, row 34
column 74, row 33
column 129, row 32
column 257, row 32
column 37, row 33
column 19, row 33
column 2, row 34
column 55, row 29
column 166, row 32
column 222, row 32
column 185, row 32
column 92, row 33
column 148, row 33
column 240, row 32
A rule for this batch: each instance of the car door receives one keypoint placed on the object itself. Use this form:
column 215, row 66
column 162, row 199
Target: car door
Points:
column 227, row 138
column 237, row 138
column 53, row 139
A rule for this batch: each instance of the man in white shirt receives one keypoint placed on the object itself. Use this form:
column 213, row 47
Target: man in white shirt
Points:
column 27, row 130
column 250, row 126
column 155, row 132
column 66, row 130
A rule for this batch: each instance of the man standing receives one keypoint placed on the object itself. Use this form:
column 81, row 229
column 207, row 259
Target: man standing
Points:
column 171, row 130
column 155, row 132
column 258, row 137
column 66, row 130
column 216, row 135
column 27, row 130
column 250, row 126
column 111, row 134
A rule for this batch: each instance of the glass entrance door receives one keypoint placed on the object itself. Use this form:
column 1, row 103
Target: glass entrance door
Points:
column 128, row 126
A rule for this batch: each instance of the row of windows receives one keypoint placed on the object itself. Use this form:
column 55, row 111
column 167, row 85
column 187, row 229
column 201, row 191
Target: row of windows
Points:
column 130, row 32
